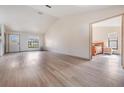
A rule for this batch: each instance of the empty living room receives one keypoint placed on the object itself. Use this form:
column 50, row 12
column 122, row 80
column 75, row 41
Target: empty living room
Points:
column 52, row 46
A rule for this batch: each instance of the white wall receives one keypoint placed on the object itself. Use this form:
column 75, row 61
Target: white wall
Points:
column 71, row 35
column 20, row 18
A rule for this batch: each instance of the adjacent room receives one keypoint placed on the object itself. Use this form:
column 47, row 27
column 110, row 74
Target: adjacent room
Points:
column 106, row 39
column 55, row 46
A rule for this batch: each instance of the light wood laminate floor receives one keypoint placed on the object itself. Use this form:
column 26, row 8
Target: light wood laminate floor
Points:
column 42, row 69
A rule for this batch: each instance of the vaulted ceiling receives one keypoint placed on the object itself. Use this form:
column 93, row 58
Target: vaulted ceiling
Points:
column 24, row 18
column 65, row 10
column 32, row 18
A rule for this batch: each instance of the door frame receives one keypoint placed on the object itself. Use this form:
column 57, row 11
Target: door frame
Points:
column 122, row 38
column 9, row 42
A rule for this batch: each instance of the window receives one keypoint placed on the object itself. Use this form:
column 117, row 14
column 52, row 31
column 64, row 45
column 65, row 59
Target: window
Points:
column 33, row 43
column 14, row 38
column 113, row 40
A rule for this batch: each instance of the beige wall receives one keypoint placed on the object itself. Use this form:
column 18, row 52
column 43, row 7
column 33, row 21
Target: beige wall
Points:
column 101, row 34
column 71, row 35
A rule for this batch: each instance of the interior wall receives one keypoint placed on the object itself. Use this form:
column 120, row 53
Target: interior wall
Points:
column 2, row 41
column 101, row 34
column 122, row 58
column 71, row 35
column 21, row 18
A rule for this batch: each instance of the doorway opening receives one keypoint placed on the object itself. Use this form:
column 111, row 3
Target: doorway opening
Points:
column 106, row 42
column 14, row 43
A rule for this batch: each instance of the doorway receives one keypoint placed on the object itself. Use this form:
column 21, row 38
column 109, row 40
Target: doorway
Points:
column 14, row 43
column 106, row 41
